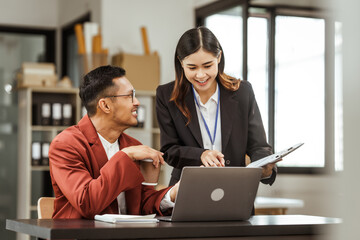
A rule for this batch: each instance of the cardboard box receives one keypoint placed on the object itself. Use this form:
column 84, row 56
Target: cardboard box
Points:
column 88, row 62
column 36, row 80
column 37, row 75
column 143, row 71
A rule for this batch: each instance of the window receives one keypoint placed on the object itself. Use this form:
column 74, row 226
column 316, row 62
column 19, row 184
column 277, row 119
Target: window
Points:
column 286, row 51
column 230, row 38
column 299, row 89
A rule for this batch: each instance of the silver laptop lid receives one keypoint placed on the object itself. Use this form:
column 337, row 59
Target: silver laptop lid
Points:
column 216, row 194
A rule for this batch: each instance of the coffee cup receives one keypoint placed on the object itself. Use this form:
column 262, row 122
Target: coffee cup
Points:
column 150, row 172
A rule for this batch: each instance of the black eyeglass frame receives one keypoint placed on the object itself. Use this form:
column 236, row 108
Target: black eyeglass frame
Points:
column 124, row 95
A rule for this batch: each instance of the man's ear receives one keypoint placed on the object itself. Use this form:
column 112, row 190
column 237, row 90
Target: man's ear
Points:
column 104, row 106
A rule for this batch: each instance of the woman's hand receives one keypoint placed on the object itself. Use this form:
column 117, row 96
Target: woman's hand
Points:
column 173, row 191
column 212, row 158
column 267, row 169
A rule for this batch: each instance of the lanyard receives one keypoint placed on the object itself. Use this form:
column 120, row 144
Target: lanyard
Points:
column 216, row 118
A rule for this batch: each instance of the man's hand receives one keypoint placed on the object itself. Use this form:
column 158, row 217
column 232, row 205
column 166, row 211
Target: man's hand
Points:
column 141, row 152
column 212, row 158
column 173, row 191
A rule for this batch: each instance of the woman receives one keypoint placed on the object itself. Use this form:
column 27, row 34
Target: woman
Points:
column 205, row 116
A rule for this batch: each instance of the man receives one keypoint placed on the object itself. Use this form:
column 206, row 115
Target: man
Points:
column 93, row 165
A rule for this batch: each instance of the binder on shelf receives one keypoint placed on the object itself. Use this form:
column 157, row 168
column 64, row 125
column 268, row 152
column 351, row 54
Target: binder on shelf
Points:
column 45, row 153
column 67, row 114
column 45, row 114
column 36, row 154
column 56, row 114
column 36, row 114
column 141, row 116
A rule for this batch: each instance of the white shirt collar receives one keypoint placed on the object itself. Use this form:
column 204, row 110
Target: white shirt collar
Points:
column 213, row 97
column 110, row 148
column 106, row 142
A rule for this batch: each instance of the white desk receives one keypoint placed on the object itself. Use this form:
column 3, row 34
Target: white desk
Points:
column 275, row 206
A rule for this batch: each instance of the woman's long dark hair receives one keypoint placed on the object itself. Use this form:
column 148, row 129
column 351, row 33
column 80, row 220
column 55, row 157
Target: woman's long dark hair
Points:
column 190, row 42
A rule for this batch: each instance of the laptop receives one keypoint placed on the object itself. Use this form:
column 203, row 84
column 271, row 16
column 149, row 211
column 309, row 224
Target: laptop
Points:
column 215, row 194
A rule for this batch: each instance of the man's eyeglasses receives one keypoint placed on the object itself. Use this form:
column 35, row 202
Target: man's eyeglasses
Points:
column 132, row 95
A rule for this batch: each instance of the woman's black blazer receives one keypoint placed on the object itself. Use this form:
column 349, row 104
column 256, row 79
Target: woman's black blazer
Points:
column 242, row 130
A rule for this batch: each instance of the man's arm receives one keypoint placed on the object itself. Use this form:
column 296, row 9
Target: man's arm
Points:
column 72, row 169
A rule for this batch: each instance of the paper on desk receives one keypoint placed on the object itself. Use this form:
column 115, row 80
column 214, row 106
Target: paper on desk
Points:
column 118, row 218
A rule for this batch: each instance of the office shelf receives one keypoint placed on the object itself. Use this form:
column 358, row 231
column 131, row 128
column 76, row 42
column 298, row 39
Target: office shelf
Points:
column 34, row 181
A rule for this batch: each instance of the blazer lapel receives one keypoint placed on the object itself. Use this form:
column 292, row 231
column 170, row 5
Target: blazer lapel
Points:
column 100, row 156
column 194, row 123
column 228, row 107
column 89, row 131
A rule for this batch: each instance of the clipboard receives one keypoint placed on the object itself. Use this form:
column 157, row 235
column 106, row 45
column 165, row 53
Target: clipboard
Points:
column 274, row 157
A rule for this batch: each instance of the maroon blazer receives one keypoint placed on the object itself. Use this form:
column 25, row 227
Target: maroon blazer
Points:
column 86, row 183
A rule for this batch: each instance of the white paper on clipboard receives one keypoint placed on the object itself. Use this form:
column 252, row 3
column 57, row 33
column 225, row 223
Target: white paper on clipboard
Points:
column 274, row 157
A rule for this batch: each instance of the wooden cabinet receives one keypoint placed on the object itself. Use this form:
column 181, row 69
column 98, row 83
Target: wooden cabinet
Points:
column 34, row 177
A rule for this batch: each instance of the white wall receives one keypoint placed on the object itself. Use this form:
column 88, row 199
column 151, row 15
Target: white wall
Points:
column 121, row 20
column 165, row 21
column 200, row 3
column 34, row 13
column 349, row 208
column 70, row 10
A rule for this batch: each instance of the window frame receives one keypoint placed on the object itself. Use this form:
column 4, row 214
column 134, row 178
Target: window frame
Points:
column 218, row 6
column 329, row 63
column 49, row 33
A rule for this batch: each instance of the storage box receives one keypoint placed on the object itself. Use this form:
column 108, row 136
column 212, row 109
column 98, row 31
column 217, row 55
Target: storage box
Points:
column 143, row 71
column 37, row 75
column 88, row 62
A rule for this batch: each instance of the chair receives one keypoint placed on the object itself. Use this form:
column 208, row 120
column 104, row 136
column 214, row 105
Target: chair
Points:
column 45, row 207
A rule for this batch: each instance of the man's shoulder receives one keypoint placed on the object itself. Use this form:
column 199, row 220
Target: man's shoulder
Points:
column 69, row 134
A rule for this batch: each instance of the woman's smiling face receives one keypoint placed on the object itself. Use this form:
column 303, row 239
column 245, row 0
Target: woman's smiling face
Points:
column 201, row 69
